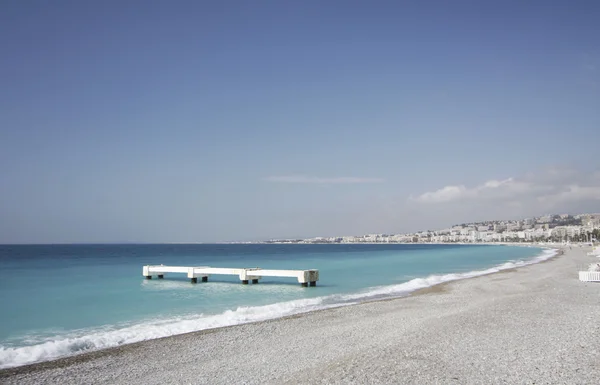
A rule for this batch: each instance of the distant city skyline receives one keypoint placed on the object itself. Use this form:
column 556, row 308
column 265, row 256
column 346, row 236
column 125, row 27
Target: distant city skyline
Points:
column 584, row 227
column 244, row 121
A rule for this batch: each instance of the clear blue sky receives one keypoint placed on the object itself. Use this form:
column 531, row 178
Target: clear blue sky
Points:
column 174, row 121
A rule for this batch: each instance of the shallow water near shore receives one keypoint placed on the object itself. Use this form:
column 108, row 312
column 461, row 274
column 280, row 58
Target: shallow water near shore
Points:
column 63, row 300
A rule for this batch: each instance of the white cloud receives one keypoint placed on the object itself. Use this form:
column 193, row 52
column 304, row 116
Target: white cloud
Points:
column 319, row 180
column 573, row 193
column 445, row 194
column 549, row 191
column 492, row 188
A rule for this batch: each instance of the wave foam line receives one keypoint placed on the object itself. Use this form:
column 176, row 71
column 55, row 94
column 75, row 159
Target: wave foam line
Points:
column 89, row 340
column 77, row 342
column 406, row 288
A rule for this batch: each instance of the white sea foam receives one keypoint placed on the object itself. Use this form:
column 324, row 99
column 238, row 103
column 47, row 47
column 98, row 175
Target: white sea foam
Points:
column 432, row 280
column 80, row 341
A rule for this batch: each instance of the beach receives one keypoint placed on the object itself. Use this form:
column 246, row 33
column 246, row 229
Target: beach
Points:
column 535, row 324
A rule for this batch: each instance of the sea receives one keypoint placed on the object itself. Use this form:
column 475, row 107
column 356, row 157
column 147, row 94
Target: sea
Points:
column 62, row 300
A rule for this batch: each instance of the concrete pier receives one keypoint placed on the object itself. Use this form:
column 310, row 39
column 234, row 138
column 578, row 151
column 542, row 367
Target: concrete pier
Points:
column 304, row 277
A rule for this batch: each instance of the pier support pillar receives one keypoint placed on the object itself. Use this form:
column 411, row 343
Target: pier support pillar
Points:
column 304, row 284
column 255, row 281
column 244, row 282
column 313, row 283
column 160, row 276
column 148, row 277
column 204, row 279
column 194, row 280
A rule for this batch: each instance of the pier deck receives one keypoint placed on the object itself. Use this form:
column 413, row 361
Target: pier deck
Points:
column 305, row 277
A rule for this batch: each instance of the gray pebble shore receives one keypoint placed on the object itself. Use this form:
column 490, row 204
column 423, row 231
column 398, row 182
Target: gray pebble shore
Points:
column 533, row 325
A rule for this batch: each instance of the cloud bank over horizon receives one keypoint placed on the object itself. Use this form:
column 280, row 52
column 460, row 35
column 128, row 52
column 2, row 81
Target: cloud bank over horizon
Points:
column 554, row 190
column 355, row 211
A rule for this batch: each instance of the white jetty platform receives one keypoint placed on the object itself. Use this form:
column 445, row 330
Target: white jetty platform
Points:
column 305, row 277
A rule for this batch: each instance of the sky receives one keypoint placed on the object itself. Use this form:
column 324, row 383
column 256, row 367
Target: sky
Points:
column 199, row 121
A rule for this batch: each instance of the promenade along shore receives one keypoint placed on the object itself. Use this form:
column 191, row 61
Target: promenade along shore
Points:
column 536, row 324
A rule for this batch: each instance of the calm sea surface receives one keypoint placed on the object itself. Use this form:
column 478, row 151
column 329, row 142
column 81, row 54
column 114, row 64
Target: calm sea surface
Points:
column 60, row 300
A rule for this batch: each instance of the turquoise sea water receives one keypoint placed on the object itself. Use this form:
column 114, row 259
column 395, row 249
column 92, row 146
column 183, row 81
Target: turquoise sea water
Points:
column 60, row 300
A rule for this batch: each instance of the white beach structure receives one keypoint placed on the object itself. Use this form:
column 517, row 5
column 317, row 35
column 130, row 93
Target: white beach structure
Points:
column 589, row 276
column 593, row 271
column 304, row 277
column 592, row 274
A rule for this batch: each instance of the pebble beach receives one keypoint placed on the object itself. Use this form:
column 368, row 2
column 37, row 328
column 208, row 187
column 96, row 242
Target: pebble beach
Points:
column 537, row 324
